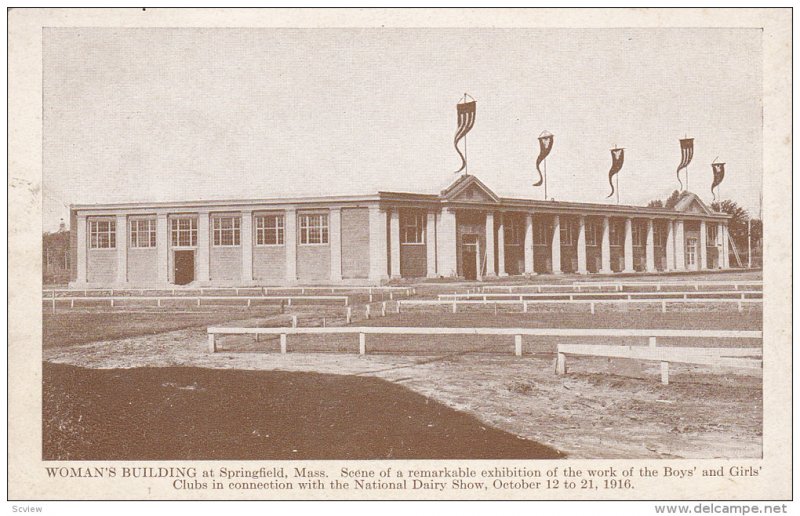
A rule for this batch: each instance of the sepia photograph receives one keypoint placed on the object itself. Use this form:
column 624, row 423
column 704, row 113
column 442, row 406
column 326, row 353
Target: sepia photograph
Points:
column 523, row 246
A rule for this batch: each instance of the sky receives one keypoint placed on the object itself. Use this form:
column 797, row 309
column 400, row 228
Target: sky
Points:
column 171, row 114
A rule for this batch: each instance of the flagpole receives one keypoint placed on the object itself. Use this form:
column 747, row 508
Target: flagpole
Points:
column 466, row 161
column 545, row 179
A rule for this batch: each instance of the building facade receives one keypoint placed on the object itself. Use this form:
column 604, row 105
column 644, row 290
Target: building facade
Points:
column 466, row 231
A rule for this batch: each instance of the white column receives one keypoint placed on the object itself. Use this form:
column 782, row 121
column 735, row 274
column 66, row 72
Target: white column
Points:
column 703, row 246
column 650, row 250
column 430, row 244
column 680, row 247
column 501, row 247
column 582, row 245
column 162, row 248
column 489, row 245
column 290, row 244
column 377, row 244
column 726, row 259
column 628, row 245
column 122, row 249
column 335, row 238
column 394, row 233
column 446, row 244
column 670, row 245
column 555, row 248
column 203, row 248
column 528, row 243
column 246, row 242
column 81, row 249
column 605, row 248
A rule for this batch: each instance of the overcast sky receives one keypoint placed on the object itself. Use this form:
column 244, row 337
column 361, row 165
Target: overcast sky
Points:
column 183, row 114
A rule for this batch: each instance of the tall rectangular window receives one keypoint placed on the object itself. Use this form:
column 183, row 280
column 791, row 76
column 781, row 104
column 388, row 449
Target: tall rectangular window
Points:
column 659, row 235
column 269, row 229
column 711, row 234
column 592, row 231
column 226, row 231
column 184, row 232
column 511, row 232
column 541, row 233
column 616, row 234
column 638, row 234
column 413, row 228
column 143, row 233
column 102, row 234
column 314, row 229
column 566, row 232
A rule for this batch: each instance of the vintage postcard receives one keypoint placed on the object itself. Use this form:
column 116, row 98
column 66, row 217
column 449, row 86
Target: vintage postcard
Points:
column 400, row 254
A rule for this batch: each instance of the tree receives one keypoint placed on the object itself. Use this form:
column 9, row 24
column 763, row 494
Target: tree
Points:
column 670, row 203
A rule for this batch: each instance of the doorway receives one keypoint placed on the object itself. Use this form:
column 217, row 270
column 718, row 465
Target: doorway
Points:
column 184, row 267
column 691, row 253
column 469, row 256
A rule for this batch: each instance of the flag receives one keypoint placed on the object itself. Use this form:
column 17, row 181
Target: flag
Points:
column 617, row 158
column 719, row 175
column 545, row 145
column 466, row 119
column 687, row 150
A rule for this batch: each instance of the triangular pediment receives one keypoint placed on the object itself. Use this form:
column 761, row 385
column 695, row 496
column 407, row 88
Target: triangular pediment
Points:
column 469, row 188
column 691, row 203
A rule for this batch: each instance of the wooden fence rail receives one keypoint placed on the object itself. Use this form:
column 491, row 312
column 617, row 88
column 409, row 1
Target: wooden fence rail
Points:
column 516, row 333
column 196, row 299
column 732, row 294
column 581, row 286
column 593, row 303
column 745, row 358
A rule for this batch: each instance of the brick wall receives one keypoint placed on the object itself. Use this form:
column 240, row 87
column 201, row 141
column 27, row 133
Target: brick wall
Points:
column 313, row 263
column 226, row 263
column 142, row 265
column 101, row 265
column 515, row 259
column 413, row 260
column 355, row 243
column 269, row 263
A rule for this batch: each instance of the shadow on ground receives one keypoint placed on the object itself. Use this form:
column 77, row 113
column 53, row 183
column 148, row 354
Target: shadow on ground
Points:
column 185, row 413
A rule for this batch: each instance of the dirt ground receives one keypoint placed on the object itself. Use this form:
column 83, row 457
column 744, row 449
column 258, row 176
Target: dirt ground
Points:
column 188, row 413
column 601, row 409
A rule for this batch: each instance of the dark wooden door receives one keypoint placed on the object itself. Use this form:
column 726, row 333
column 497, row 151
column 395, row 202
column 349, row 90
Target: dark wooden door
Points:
column 469, row 257
column 184, row 267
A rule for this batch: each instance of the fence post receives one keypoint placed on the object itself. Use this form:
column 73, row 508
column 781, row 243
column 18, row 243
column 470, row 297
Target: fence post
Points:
column 398, row 307
column 591, row 306
column 294, row 321
column 525, row 307
column 283, row 343
column 212, row 343
column 739, row 305
column 383, row 309
column 248, row 302
column 391, row 295
column 288, row 301
column 198, row 301
column 54, row 302
column 370, row 296
column 349, row 314
column 561, row 363
column 158, row 302
column 663, row 307
column 362, row 344
column 72, row 303
column 455, row 306
column 665, row 373
column 346, row 300
column 112, row 302
column 367, row 313
column 651, row 341
column 518, row 345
